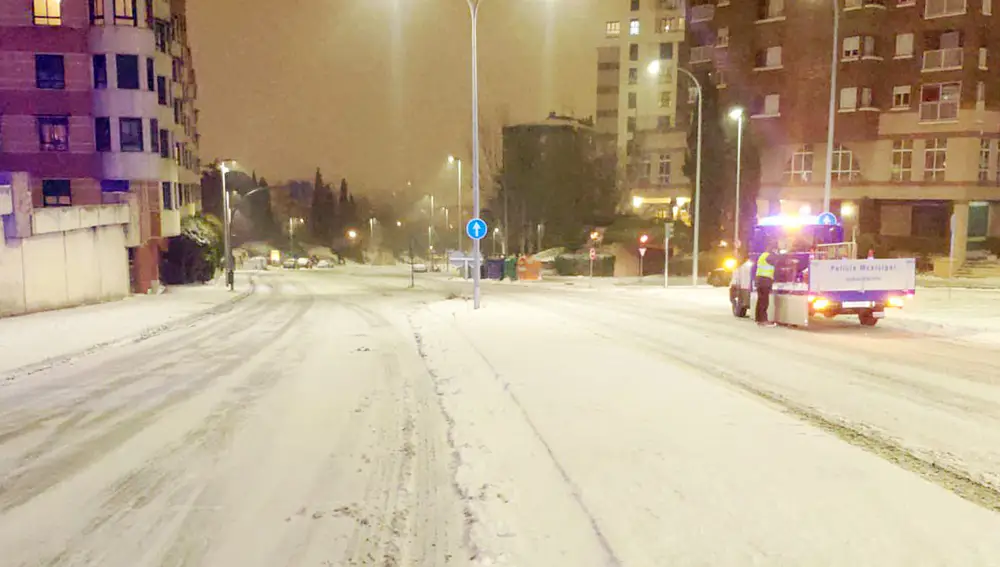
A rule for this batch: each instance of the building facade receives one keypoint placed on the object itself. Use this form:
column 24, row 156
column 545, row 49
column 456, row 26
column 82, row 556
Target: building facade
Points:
column 97, row 110
column 638, row 101
column 917, row 107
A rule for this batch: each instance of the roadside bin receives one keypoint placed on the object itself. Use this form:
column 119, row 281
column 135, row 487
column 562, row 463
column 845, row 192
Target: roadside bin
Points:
column 494, row 269
column 510, row 268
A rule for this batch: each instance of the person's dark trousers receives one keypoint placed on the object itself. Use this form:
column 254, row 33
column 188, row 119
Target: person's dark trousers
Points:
column 763, row 298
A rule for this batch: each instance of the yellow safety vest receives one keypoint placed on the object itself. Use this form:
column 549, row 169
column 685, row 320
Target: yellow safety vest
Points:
column 765, row 270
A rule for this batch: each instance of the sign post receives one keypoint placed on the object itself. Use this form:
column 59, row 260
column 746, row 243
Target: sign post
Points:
column 642, row 254
column 476, row 229
column 593, row 256
column 951, row 255
column 668, row 231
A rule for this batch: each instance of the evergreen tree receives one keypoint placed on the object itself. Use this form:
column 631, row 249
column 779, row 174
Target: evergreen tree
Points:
column 715, row 148
column 322, row 221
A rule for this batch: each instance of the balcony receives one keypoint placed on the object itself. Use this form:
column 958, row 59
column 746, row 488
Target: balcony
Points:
column 943, row 59
column 859, row 4
column 64, row 219
column 702, row 53
column 702, row 13
column 941, row 111
column 943, row 8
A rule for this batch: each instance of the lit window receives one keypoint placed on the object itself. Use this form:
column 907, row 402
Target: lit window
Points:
column 613, row 29
column 665, row 99
column 125, row 13
column 901, row 96
column 983, row 52
column 47, row 12
column 633, row 26
column 97, row 12
column 56, row 193
column 902, row 160
column 664, row 169
column 633, row 76
column 904, row 45
column 800, row 166
column 722, row 38
column 984, row 159
column 849, row 98
column 53, row 133
column 980, row 95
column 852, row 47
column 939, row 101
column 987, row 7
column 935, row 154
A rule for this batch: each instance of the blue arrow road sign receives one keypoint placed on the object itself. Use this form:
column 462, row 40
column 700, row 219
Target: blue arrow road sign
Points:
column 827, row 218
column 476, row 229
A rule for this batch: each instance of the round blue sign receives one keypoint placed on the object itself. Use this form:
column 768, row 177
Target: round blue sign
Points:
column 827, row 218
column 476, row 229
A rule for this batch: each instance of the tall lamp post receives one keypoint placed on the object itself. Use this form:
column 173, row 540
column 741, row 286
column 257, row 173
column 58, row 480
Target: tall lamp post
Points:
column 476, row 254
column 737, row 115
column 458, row 162
column 227, row 214
column 835, row 61
column 697, row 180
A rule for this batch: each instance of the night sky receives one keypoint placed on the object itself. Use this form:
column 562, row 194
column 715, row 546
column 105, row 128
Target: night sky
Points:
column 379, row 90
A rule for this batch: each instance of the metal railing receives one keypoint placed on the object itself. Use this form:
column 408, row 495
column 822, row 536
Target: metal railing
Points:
column 941, row 59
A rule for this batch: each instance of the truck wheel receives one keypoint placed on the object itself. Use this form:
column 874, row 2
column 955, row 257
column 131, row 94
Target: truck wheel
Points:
column 739, row 310
column 867, row 319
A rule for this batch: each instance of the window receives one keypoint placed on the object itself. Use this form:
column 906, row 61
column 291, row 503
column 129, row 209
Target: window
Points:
column 722, row 39
column 168, row 196
column 633, row 26
column 904, row 45
column 941, row 8
column 665, row 99
column 663, row 123
column 902, row 160
column 177, row 153
column 131, row 134
column 161, row 91
column 161, row 32
column 901, row 96
column 865, row 101
column 165, row 144
column 800, row 166
column 613, row 29
column 125, row 13
column 56, row 193
column 935, row 154
column 632, row 101
column 769, row 58
column 845, row 165
column 633, row 52
column 645, row 168
column 50, row 72
column 666, row 51
column 670, row 25
column 150, row 74
column 664, row 169
column 154, row 135
column 149, row 14
column 114, row 186
column 635, row 5
column 102, row 134
column 939, row 101
column 980, row 95
column 100, row 71
column 988, row 7
column 720, row 78
column 770, row 9
column 771, row 105
column 984, row 159
column 852, row 48
column 630, row 124
column 47, row 12
column 97, row 12
column 53, row 133
column 128, row 71
column 982, row 58
column 849, row 98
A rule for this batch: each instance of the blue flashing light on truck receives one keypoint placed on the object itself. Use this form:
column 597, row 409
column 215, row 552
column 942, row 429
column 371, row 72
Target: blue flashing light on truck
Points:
column 818, row 274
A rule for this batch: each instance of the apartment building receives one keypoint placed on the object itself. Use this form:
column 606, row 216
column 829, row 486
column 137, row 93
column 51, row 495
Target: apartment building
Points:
column 917, row 107
column 97, row 110
column 637, row 99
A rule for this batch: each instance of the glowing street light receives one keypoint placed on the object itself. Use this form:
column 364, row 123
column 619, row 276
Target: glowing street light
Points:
column 637, row 202
column 352, row 234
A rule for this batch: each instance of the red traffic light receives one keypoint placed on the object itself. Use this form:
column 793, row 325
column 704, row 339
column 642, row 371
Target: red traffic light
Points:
column 644, row 239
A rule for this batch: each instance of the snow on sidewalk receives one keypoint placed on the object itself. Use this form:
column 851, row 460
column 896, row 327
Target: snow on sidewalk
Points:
column 576, row 447
column 37, row 338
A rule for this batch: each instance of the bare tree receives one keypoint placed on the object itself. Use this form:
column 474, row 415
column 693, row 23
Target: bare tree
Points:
column 491, row 149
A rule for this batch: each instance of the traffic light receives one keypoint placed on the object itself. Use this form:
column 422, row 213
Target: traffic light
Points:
column 643, row 239
column 669, row 227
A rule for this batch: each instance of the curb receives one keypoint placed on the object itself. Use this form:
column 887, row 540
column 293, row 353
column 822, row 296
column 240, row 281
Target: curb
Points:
column 143, row 335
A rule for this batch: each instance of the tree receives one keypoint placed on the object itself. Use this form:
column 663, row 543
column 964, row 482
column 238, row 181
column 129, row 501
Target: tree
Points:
column 715, row 163
column 195, row 255
column 323, row 212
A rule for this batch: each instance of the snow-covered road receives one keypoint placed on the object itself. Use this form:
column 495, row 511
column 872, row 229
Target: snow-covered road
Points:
column 341, row 419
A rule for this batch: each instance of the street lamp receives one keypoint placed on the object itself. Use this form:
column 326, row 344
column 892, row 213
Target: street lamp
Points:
column 835, row 61
column 456, row 161
column 227, row 227
column 399, row 224
column 737, row 115
column 476, row 255
column 352, row 234
column 697, row 178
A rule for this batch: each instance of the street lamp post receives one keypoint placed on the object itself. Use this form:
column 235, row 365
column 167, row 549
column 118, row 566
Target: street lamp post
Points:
column 697, row 180
column 737, row 114
column 835, row 61
column 227, row 229
column 458, row 162
column 476, row 254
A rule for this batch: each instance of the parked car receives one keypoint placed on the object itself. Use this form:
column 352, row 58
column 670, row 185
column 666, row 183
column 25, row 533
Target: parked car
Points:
column 420, row 268
column 324, row 264
column 721, row 277
column 288, row 264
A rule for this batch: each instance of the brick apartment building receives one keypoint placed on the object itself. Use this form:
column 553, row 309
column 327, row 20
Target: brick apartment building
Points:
column 98, row 134
column 917, row 120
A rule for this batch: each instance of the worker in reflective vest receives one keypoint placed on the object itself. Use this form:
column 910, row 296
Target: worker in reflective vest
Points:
column 764, row 283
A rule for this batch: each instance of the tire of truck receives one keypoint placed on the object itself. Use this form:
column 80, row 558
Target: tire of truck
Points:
column 867, row 319
column 739, row 310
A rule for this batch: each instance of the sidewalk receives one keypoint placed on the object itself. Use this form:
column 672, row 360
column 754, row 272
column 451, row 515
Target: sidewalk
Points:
column 41, row 338
column 970, row 283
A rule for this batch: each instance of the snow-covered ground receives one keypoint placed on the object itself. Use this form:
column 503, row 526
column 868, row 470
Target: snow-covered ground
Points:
column 340, row 418
column 42, row 337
